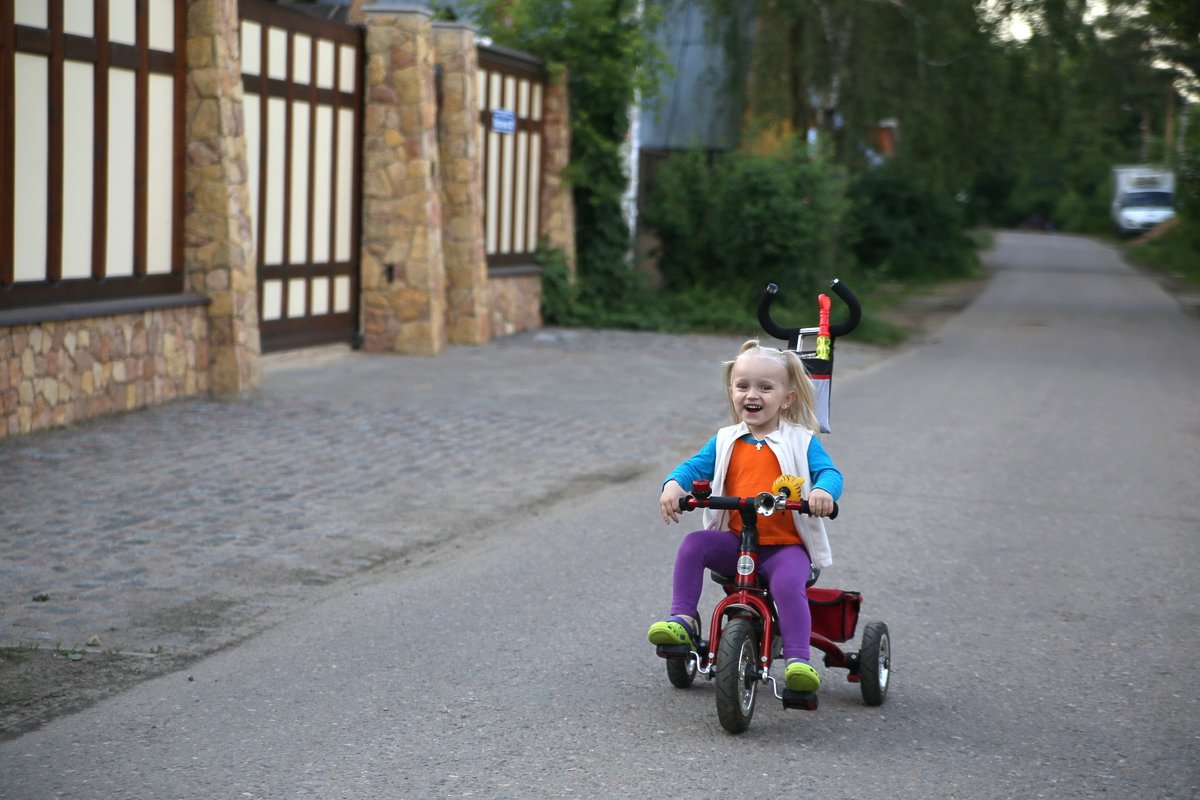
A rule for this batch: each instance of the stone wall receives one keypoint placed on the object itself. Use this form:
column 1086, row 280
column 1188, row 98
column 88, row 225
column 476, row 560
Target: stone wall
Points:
column 403, row 275
column 219, row 256
column 515, row 304
column 461, row 186
column 58, row 373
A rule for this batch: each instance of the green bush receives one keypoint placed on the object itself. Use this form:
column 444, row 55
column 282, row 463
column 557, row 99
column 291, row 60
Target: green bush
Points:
column 680, row 211
column 558, row 297
column 740, row 221
column 575, row 303
column 730, row 224
column 1073, row 213
column 778, row 219
column 1175, row 252
column 902, row 232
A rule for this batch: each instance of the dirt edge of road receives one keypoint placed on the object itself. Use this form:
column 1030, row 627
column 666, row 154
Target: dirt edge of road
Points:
column 40, row 684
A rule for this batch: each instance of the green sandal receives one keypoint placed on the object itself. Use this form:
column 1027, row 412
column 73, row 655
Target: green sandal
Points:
column 672, row 630
column 801, row 677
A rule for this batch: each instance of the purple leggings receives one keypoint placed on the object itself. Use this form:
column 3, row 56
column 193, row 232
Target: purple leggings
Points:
column 785, row 569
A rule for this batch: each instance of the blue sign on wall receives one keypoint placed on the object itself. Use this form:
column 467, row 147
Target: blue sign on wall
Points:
column 504, row 121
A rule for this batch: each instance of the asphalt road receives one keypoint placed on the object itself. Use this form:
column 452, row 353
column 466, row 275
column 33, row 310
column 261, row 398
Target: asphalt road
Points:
column 1019, row 510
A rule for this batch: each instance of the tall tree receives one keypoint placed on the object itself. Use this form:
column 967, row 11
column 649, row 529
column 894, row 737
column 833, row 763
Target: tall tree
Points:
column 840, row 67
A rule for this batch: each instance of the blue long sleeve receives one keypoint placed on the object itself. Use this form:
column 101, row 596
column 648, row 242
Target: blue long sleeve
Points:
column 824, row 474
column 701, row 467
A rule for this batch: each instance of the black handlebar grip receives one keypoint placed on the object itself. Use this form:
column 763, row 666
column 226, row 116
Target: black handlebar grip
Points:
column 842, row 328
column 764, row 314
column 833, row 515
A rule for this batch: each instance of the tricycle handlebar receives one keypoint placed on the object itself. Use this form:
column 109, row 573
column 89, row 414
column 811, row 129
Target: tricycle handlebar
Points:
column 792, row 335
column 764, row 503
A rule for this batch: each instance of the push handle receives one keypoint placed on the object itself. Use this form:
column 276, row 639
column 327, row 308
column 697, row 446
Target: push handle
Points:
column 792, row 335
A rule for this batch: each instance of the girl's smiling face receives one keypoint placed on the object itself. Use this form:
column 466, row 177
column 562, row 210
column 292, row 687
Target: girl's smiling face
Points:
column 758, row 389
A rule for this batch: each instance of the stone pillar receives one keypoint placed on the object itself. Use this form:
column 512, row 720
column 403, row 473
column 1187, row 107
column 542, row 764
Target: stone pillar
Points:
column 219, row 253
column 403, row 279
column 558, row 205
column 462, row 186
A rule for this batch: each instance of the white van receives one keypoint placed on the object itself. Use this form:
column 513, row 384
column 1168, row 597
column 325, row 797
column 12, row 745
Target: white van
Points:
column 1143, row 197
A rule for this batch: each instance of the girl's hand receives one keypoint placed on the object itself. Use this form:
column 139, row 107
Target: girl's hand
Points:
column 668, row 501
column 820, row 503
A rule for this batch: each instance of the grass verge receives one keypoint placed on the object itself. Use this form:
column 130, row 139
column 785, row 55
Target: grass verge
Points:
column 1175, row 251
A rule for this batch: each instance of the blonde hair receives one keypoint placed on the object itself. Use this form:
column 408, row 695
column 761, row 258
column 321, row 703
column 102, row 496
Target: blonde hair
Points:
column 803, row 412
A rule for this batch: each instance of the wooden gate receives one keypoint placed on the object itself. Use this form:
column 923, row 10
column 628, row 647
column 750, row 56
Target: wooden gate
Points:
column 303, row 110
column 510, row 113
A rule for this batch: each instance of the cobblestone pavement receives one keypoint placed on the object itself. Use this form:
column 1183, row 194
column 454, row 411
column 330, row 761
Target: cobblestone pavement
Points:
column 164, row 534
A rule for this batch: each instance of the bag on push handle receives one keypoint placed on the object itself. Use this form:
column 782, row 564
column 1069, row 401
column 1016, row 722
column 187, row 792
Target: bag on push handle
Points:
column 819, row 363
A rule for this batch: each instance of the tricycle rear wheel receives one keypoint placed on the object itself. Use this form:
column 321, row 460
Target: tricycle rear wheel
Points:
column 875, row 663
column 681, row 671
column 737, row 675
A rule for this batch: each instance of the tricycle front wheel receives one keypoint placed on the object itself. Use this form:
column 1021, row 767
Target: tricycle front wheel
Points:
column 737, row 675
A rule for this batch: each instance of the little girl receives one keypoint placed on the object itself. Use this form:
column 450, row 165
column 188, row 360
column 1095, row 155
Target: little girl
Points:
column 773, row 404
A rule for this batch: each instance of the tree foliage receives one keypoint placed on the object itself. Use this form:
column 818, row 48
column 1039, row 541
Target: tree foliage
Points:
column 1014, row 125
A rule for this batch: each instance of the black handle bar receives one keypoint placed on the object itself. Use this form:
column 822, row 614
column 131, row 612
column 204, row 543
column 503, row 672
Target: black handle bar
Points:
column 792, row 335
column 690, row 503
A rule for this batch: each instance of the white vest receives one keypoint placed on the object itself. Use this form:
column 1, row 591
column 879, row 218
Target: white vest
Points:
column 790, row 446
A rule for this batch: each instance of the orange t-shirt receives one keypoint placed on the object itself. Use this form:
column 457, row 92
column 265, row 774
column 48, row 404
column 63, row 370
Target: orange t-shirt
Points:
column 753, row 470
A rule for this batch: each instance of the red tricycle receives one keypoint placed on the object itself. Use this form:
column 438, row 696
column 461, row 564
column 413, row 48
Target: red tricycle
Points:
column 743, row 641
